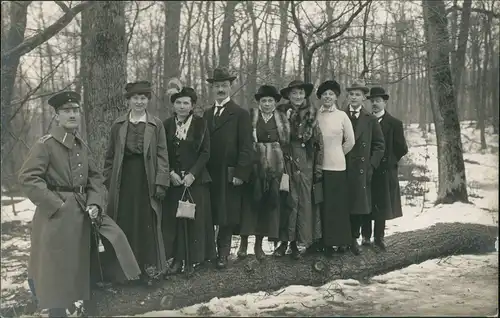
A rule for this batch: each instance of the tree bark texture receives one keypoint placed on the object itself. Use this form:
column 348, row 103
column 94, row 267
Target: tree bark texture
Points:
column 171, row 56
column 14, row 36
column 227, row 25
column 452, row 181
column 104, row 68
column 250, row 276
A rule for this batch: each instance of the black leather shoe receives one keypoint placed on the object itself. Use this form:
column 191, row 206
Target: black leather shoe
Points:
column 221, row 262
column 295, row 251
column 329, row 251
column 366, row 242
column 355, row 247
column 281, row 250
column 379, row 242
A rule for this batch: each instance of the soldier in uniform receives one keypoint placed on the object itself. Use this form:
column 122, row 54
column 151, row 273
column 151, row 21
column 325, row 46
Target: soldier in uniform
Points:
column 61, row 180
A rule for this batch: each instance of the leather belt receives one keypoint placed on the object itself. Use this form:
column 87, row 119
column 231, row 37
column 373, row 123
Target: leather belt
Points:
column 79, row 189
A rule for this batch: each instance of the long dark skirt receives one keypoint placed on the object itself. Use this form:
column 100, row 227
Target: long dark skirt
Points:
column 262, row 218
column 136, row 217
column 334, row 212
column 201, row 236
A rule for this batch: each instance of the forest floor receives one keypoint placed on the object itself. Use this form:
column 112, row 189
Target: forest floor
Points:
column 457, row 285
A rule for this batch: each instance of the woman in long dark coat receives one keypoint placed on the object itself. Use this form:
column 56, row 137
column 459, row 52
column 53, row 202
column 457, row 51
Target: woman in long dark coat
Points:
column 188, row 144
column 137, row 176
column 300, row 221
column 338, row 140
column 271, row 131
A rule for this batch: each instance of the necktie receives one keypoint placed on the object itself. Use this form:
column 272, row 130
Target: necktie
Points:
column 218, row 111
column 353, row 114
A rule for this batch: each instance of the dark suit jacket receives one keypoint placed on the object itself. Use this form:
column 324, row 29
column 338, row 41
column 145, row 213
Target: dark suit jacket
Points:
column 386, row 195
column 231, row 150
column 361, row 161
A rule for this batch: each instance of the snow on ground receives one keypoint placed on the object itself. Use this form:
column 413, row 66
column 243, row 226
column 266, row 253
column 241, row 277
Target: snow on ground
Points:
column 420, row 289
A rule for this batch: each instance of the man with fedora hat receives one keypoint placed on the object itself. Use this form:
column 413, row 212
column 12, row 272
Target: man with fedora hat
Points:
column 231, row 158
column 386, row 198
column 61, row 179
column 364, row 157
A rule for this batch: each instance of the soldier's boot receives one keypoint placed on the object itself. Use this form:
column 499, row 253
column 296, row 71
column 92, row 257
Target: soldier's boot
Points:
column 355, row 247
column 242, row 251
column 259, row 253
column 281, row 250
column 295, row 250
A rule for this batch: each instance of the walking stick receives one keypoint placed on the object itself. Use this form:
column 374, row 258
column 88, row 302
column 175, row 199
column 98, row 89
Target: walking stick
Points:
column 186, row 244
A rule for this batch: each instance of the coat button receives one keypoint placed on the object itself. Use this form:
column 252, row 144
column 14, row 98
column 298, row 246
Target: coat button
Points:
column 81, row 176
column 361, row 171
column 78, row 155
column 384, row 159
column 363, row 144
column 363, row 159
column 79, row 165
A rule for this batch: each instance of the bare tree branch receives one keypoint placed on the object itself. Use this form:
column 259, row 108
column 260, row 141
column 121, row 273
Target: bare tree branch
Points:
column 63, row 6
column 326, row 24
column 296, row 22
column 31, row 43
column 478, row 10
column 344, row 28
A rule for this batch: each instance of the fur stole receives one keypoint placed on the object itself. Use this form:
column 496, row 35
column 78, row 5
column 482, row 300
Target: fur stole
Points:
column 303, row 121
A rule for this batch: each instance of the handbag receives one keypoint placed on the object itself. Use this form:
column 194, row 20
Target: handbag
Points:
column 186, row 209
column 317, row 192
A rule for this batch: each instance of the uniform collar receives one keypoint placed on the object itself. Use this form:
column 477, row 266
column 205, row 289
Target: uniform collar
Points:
column 64, row 137
column 380, row 114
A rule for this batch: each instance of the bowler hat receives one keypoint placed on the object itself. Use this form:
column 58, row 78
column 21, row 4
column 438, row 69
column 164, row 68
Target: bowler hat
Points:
column 358, row 85
column 268, row 91
column 138, row 88
column 221, row 74
column 185, row 92
column 332, row 85
column 378, row 92
column 59, row 99
column 307, row 87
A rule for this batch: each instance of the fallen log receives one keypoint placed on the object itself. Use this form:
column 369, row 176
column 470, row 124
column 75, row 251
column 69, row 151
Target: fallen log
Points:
column 403, row 249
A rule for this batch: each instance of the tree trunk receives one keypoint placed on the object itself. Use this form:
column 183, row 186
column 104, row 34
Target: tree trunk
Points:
column 483, row 101
column 13, row 37
column 251, row 88
column 459, row 61
column 171, row 55
column 274, row 273
column 104, row 66
column 280, row 47
column 227, row 25
column 452, row 181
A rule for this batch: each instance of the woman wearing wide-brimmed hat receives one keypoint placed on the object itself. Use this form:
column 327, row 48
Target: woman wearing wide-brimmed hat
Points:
column 137, row 177
column 300, row 222
column 188, row 144
column 338, row 140
column 271, row 132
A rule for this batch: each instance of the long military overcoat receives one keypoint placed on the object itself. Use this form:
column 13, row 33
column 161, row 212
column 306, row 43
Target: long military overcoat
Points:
column 59, row 262
column 386, row 197
column 157, row 168
column 361, row 161
column 231, row 149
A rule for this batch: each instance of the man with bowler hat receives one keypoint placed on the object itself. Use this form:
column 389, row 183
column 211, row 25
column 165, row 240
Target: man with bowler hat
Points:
column 363, row 159
column 231, row 159
column 386, row 197
column 61, row 179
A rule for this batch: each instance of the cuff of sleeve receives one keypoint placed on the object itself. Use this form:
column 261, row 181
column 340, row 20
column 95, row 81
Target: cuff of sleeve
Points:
column 163, row 179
